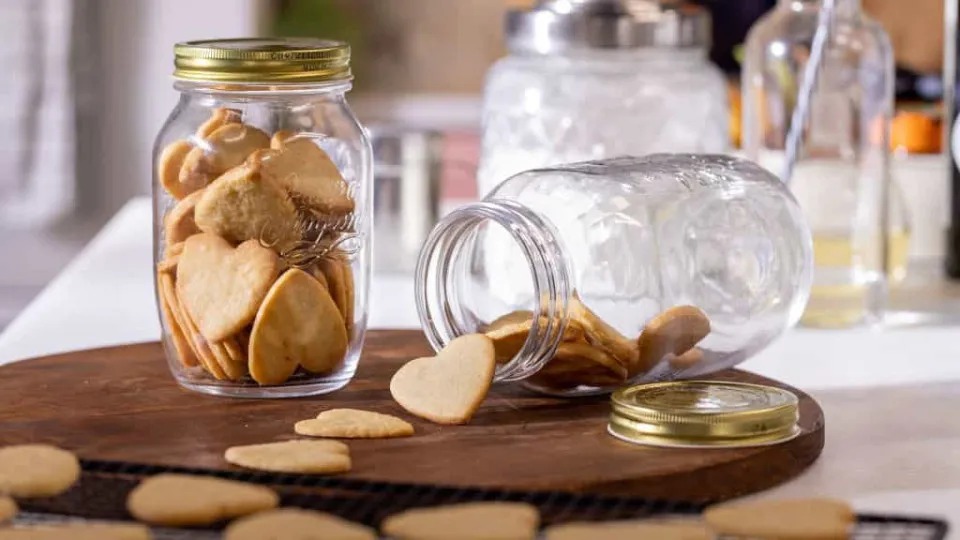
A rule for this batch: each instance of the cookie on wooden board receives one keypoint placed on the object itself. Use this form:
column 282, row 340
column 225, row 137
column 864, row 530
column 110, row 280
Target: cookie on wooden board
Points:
column 298, row 456
column 447, row 388
column 354, row 424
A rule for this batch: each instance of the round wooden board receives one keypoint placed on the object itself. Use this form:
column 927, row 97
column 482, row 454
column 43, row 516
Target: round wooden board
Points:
column 122, row 404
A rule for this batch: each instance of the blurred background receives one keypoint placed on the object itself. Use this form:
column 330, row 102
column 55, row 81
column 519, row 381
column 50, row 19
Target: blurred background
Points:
column 87, row 86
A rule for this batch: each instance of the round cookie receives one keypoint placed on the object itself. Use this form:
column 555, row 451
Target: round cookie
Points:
column 37, row 470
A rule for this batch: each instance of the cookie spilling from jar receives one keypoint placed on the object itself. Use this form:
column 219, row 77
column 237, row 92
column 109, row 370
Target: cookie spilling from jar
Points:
column 255, row 284
column 592, row 353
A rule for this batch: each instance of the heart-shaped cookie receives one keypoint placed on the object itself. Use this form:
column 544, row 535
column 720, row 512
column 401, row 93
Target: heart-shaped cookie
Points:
column 297, row 325
column 169, row 165
column 179, row 224
column 580, row 363
column 220, row 117
column 509, row 333
column 447, row 388
column 170, row 309
column 338, row 276
column 675, row 331
column 225, row 148
column 826, row 519
column 604, row 336
column 221, row 288
column 241, row 205
column 308, row 173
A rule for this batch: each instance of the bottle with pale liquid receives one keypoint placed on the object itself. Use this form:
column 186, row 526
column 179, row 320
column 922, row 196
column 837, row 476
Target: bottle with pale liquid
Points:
column 841, row 177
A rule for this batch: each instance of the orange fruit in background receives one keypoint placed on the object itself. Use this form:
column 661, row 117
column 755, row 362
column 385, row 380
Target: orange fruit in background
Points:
column 916, row 133
column 733, row 93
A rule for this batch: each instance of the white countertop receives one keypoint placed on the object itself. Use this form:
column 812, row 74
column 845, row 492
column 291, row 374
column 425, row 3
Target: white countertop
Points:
column 890, row 396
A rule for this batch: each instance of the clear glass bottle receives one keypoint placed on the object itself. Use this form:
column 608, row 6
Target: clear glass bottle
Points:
column 601, row 257
column 841, row 177
column 591, row 79
column 262, row 197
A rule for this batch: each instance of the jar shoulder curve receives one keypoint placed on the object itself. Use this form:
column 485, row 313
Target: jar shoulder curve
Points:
column 664, row 172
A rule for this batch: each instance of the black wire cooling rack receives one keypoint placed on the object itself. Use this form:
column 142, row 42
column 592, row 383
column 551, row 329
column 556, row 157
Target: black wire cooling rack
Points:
column 104, row 485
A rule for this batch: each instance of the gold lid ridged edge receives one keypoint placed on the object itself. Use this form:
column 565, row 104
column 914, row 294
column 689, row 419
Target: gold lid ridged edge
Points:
column 632, row 420
column 276, row 61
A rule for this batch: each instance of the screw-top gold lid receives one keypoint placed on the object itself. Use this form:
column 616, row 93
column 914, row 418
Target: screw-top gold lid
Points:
column 262, row 60
column 704, row 414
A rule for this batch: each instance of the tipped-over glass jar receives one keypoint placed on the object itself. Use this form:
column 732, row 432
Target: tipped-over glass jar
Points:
column 261, row 201
column 598, row 274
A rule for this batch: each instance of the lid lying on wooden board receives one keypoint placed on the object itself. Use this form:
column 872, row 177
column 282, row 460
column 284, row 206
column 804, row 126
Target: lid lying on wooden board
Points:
column 698, row 414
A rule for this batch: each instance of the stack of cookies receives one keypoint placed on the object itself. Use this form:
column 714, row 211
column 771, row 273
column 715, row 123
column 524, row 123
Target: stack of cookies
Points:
column 593, row 353
column 254, row 281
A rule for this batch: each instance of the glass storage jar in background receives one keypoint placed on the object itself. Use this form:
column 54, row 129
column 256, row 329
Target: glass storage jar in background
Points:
column 841, row 177
column 592, row 79
column 262, row 193
column 621, row 270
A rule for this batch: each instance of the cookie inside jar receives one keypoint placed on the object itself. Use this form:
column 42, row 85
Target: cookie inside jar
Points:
column 258, row 247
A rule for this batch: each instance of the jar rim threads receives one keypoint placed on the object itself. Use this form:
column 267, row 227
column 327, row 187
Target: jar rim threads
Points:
column 436, row 291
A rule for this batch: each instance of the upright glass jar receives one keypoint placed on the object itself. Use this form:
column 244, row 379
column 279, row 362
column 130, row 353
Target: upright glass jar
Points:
column 842, row 174
column 262, row 193
column 620, row 271
column 592, row 79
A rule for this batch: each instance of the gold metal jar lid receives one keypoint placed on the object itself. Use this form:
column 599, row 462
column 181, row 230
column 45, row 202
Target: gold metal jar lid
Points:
column 262, row 60
column 704, row 414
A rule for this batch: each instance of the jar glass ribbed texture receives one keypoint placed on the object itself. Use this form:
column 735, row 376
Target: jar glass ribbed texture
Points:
column 625, row 240
column 544, row 110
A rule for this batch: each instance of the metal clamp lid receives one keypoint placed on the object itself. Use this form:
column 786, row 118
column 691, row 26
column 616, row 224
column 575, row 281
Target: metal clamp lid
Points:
column 555, row 26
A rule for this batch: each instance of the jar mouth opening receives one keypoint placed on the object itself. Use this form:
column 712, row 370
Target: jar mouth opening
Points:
column 440, row 304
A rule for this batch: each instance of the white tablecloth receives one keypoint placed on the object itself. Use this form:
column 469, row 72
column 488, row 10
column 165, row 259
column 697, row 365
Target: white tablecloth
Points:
column 891, row 397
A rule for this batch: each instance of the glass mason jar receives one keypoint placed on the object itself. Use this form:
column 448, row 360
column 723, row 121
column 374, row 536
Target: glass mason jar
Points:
column 262, row 193
column 842, row 172
column 619, row 271
column 592, row 79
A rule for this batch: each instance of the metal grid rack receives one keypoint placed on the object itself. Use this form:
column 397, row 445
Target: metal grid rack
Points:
column 103, row 488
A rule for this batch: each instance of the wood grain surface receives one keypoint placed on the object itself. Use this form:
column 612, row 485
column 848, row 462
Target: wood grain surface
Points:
column 122, row 404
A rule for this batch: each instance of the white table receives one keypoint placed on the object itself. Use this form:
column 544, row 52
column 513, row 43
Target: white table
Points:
column 891, row 397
